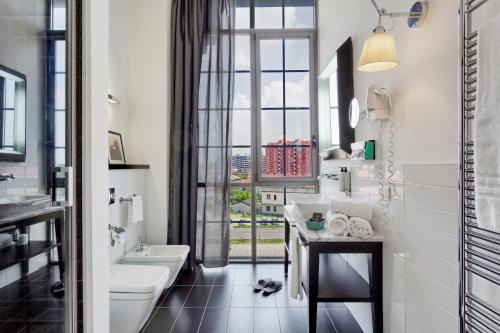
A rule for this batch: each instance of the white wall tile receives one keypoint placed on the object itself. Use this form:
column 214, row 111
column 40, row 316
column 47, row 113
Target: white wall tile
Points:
column 441, row 246
column 433, row 219
column 445, row 175
column 443, row 198
column 440, row 269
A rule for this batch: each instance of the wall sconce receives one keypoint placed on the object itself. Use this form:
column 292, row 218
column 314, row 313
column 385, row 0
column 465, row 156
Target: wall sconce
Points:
column 379, row 51
column 113, row 100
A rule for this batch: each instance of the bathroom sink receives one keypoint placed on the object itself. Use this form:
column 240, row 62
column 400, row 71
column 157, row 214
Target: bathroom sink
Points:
column 308, row 204
column 19, row 204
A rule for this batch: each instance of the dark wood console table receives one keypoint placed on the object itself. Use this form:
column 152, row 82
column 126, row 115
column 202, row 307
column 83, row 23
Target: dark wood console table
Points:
column 12, row 255
column 328, row 277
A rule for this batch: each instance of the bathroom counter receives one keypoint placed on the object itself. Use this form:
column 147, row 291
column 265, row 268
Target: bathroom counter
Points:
column 325, row 235
column 13, row 254
column 326, row 275
column 34, row 215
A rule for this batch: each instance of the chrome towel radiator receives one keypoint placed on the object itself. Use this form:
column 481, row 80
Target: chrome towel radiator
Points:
column 479, row 248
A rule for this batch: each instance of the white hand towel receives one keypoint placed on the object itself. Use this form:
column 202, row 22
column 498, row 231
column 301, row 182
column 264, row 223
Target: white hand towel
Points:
column 296, row 257
column 135, row 213
column 487, row 127
column 360, row 227
column 338, row 223
column 352, row 208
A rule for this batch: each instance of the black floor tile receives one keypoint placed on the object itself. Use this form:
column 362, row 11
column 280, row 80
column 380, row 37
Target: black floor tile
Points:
column 188, row 320
column 162, row 321
column 198, row 297
column 261, row 300
column 225, row 278
column 176, row 297
column 214, row 320
column 343, row 320
column 206, row 277
column 240, row 320
column 220, row 297
column 324, row 324
column 242, row 297
column 40, row 327
column 292, row 320
column 266, row 320
column 283, row 299
column 187, row 277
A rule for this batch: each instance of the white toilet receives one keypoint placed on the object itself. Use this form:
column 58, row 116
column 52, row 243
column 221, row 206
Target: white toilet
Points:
column 171, row 256
column 133, row 292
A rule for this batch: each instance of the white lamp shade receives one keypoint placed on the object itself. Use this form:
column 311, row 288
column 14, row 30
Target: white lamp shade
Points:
column 379, row 53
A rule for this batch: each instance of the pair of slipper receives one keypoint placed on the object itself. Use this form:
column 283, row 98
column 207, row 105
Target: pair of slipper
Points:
column 267, row 286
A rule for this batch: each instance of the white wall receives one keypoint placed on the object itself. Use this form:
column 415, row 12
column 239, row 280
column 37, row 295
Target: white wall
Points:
column 425, row 111
column 424, row 85
column 149, row 122
column 126, row 183
column 139, row 77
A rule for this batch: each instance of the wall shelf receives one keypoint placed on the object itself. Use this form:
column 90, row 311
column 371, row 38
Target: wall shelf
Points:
column 128, row 166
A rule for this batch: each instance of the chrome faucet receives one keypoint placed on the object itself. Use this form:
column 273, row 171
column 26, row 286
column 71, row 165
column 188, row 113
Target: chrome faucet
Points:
column 6, row 177
column 142, row 245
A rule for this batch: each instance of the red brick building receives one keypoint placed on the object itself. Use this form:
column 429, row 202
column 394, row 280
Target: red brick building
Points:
column 292, row 158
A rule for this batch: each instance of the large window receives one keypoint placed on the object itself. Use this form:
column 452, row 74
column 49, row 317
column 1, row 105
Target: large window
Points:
column 274, row 121
column 56, row 93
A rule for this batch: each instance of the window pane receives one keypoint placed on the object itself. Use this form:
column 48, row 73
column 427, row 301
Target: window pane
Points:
column 60, row 128
column 334, row 125
column 242, row 92
column 273, row 161
column 60, row 56
column 297, row 90
column 242, row 20
column 299, row 13
column 60, row 91
column 8, row 130
column 59, row 15
column 241, row 165
column 334, row 99
column 298, row 160
column 10, row 93
column 298, row 125
column 60, row 156
column 270, row 222
column 297, row 54
column 241, row 222
column 271, row 54
column 271, row 127
column 242, row 52
column 241, row 128
column 271, row 90
column 268, row 14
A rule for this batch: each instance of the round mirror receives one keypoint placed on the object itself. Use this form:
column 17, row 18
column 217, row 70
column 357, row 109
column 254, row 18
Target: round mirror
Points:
column 354, row 113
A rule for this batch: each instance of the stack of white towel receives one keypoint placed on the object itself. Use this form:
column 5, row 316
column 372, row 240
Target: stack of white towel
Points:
column 350, row 218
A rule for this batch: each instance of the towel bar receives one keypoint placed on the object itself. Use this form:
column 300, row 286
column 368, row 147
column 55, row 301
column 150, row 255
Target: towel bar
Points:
column 122, row 199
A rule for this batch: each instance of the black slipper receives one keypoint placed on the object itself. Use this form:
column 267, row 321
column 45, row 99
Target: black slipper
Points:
column 273, row 287
column 261, row 284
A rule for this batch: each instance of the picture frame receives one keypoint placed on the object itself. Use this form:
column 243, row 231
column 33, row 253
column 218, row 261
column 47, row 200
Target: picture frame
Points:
column 116, row 153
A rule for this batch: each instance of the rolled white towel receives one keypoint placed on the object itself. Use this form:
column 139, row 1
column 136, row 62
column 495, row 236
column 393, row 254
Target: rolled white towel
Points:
column 360, row 227
column 338, row 223
column 352, row 208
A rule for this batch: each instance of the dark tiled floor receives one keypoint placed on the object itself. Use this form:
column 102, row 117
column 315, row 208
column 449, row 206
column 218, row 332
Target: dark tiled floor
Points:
column 222, row 300
column 28, row 306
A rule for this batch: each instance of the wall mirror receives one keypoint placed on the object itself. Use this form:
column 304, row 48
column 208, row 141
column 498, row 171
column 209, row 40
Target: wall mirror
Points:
column 12, row 115
column 336, row 91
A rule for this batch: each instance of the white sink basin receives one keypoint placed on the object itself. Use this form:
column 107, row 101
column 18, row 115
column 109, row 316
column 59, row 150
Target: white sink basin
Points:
column 19, row 204
column 308, row 204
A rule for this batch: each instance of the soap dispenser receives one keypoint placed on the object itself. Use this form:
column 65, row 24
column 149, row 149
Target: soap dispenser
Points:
column 345, row 181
